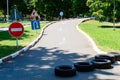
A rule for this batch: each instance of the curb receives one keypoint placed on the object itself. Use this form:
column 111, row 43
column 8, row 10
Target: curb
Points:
column 89, row 38
column 12, row 56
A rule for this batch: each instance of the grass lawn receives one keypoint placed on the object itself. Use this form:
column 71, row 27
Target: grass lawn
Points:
column 8, row 43
column 102, row 33
column 4, row 24
column 7, row 24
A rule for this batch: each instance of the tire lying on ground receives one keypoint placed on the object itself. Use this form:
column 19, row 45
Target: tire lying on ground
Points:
column 84, row 66
column 116, row 54
column 65, row 71
column 101, row 63
column 106, row 56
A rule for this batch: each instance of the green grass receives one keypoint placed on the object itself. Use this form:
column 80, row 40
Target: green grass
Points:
column 103, row 34
column 7, row 24
column 8, row 43
column 4, row 24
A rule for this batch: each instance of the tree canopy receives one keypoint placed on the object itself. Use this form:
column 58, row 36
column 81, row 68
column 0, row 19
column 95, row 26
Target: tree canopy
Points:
column 101, row 9
column 48, row 8
column 104, row 9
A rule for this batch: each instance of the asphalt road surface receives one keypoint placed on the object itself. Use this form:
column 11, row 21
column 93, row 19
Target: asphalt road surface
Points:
column 61, row 44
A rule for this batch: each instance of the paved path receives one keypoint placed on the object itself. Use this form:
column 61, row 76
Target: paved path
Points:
column 61, row 43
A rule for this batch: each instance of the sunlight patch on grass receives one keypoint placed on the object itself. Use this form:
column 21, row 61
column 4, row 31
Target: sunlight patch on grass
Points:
column 103, row 34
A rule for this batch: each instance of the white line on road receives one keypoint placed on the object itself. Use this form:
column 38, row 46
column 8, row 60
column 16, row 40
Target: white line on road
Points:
column 60, row 29
column 63, row 41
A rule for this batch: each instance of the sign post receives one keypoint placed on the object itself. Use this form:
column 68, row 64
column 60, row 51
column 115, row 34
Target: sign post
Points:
column 16, row 30
column 15, row 15
column 61, row 14
column 35, row 22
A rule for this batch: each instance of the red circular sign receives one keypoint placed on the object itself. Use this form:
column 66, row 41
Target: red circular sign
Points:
column 16, row 29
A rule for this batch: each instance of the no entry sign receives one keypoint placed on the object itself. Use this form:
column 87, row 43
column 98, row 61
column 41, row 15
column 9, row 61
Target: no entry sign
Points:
column 16, row 29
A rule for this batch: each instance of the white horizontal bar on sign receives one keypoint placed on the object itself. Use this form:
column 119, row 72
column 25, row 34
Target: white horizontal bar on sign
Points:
column 16, row 29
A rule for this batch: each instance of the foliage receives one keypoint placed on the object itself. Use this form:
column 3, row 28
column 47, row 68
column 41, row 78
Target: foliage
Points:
column 24, row 6
column 47, row 8
column 103, row 9
column 52, row 8
column 79, row 7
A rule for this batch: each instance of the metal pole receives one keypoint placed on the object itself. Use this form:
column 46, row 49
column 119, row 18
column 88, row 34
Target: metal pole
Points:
column 7, row 11
column 114, row 16
column 17, row 42
column 15, row 14
column 61, row 17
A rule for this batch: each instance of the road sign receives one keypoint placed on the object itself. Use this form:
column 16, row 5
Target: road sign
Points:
column 16, row 29
column 34, row 14
column 15, row 14
column 35, row 24
column 61, row 13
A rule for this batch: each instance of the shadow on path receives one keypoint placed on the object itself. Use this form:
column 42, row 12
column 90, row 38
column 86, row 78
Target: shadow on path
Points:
column 107, row 26
column 38, row 64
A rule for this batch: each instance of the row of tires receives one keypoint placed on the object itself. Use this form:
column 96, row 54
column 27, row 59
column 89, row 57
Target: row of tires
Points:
column 101, row 61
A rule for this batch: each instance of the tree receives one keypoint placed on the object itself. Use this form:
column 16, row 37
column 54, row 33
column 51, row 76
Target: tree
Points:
column 3, row 7
column 24, row 6
column 103, row 9
column 48, row 8
column 79, row 7
column 51, row 8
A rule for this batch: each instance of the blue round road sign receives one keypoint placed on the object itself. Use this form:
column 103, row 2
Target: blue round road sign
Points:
column 61, row 13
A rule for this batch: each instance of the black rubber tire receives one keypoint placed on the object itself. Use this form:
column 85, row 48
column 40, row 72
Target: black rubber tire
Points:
column 101, row 63
column 116, row 54
column 106, row 56
column 65, row 71
column 84, row 66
